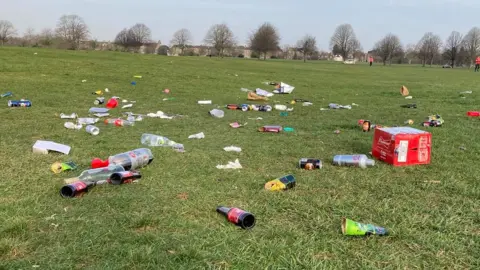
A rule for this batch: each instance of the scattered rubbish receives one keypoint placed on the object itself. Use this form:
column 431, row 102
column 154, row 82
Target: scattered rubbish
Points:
column 462, row 148
column 307, row 104
column 42, row 147
column 217, row 113
column 237, row 216
column 336, row 106
column 294, row 101
column 127, row 106
column 68, row 116
column 263, row 93
column 283, row 113
column 288, row 129
column 107, row 90
column 237, row 125
column 361, row 161
column 87, row 121
column 350, row 227
column 409, row 122
column 402, row 146
column 99, row 100
column 59, row 167
column 130, row 160
column 355, row 104
column 124, row 177
column 408, row 97
column 466, row 92
column 433, row 121
column 337, row 131
column 282, row 183
column 137, row 76
column 101, row 114
column 7, row 94
column 118, row 122
column 160, row 114
column 410, row 106
column 245, row 90
column 70, row 125
column 310, row 163
column 232, row 149
column 473, row 113
column 133, row 83
column 95, row 175
column 112, row 103
column 19, row 103
column 279, row 107
column 323, row 109
column 270, row 83
column 258, row 118
column 84, row 81
column 170, row 98
column 231, row 165
column 156, row 140
column 204, row 102
column 98, row 93
column 262, row 108
column 404, row 91
column 200, row 135
column 243, row 107
column 166, row 91
column 124, row 101
column 253, row 96
column 98, row 110
column 92, row 130
column 275, row 129
column 283, row 88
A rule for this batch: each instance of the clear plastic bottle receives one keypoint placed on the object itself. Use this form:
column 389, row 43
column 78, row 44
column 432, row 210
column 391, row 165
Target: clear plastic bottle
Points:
column 132, row 160
column 156, row 140
column 119, row 122
column 361, row 161
column 95, row 175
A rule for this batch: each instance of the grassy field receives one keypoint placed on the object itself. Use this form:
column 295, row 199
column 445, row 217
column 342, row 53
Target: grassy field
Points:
column 168, row 220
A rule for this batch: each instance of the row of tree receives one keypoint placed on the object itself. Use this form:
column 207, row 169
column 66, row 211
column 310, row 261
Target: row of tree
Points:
column 73, row 30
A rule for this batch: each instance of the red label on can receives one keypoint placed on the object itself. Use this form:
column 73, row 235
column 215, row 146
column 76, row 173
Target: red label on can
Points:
column 79, row 186
column 234, row 214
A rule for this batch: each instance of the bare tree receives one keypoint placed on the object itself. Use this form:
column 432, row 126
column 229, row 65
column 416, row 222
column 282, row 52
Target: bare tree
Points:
column 286, row 51
column 220, row 37
column 6, row 31
column 388, row 47
column 29, row 38
column 181, row 39
column 46, row 37
column 122, row 39
column 265, row 39
column 72, row 29
column 410, row 52
column 344, row 40
column 308, row 46
column 139, row 35
column 471, row 43
column 429, row 47
column 452, row 46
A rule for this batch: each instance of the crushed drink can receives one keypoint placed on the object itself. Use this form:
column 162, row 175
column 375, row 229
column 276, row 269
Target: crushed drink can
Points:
column 310, row 163
column 19, row 103
column 275, row 129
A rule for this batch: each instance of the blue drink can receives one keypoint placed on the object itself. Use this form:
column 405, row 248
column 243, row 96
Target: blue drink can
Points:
column 19, row 103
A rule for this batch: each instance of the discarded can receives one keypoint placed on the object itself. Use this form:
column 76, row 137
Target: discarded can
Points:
column 59, row 167
column 264, row 108
column 282, row 183
column 19, row 103
column 410, row 106
column 310, row 163
column 361, row 161
column 125, row 177
column 350, row 227
column 473, row 113
column 76, row 189
column 233, row 107
column 7, row 94
column 98, row 92
column 238, row 217
column 99, row 100
column 275, row 129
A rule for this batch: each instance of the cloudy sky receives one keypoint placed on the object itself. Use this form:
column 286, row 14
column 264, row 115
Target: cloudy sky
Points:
column 371, row 19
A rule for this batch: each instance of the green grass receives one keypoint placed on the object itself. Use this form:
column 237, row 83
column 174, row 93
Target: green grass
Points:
column 149, row 226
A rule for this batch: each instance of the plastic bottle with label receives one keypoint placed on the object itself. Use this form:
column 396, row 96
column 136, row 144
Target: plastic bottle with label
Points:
column 157, row 140
column 95, row 175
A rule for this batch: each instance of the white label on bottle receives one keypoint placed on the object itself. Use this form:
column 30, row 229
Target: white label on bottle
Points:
column 402, row 151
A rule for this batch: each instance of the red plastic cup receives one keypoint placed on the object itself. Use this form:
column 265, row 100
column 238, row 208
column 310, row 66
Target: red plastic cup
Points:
column 112, row 103
column 473, row 113
column 98, row 163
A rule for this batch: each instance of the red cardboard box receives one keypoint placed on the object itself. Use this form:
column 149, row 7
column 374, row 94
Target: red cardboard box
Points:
column 402, row 146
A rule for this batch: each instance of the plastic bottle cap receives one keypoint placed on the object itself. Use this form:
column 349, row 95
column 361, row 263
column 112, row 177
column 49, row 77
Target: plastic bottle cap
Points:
column 370, row 162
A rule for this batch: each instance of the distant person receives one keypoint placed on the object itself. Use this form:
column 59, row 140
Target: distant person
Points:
column 370, row 59
column 477, row 64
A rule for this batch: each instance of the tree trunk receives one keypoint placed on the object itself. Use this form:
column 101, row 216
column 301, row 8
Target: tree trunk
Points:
column 304, row 58
column 264, row 56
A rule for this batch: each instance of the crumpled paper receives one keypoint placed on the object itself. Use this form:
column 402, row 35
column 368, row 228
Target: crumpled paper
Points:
column 231, row 165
